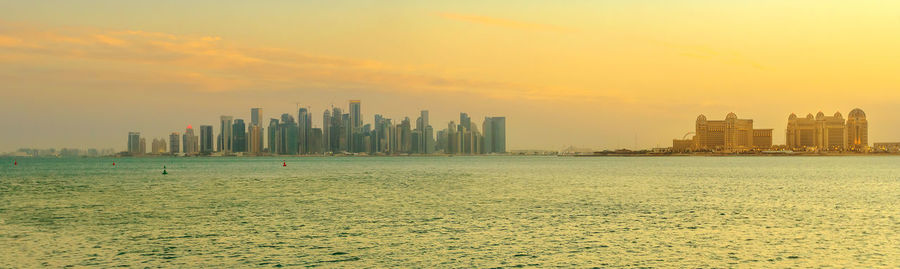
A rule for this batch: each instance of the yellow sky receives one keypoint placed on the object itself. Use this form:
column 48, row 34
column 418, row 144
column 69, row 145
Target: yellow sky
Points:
column 599, row 74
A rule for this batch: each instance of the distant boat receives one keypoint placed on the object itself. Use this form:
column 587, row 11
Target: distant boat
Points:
column 778, row 152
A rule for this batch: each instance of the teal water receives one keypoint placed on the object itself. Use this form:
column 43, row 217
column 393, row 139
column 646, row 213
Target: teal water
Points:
column 451, row 212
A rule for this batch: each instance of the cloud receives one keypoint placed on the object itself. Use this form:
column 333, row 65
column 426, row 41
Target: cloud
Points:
column 710, row 54
column 132, row 59
column 491, row 21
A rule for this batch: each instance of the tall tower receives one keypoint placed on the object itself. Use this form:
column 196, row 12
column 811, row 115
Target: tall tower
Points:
column 304, row 121
column 134, row 142
column 499, row 125
column 857, row 130
column 326, row 130
column 239, row 136
column 355, row 124
column 256, row 119
column 226, row 133
column 189, row 141
column 206, row 139
column 173, row 142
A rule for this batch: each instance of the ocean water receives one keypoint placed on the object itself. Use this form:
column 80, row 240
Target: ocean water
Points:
column 430, row 212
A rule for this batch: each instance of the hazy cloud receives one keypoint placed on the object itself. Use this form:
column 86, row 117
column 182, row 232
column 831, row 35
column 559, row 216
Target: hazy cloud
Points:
column 491, row 21
column 208, row 63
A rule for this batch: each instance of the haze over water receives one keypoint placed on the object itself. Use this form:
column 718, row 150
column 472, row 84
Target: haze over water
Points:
column 451, row 212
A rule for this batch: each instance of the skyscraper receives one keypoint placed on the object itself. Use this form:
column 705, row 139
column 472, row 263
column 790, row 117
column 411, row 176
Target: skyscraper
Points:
column 287, row 136
column 134, row 142
column 425, row 138
column 304, row 123
column 239, row 136
column 487, row 145
column 190, row 142
column 158, row 146
column 254, row 139
column 326, row 131
column 206, row 139
column 273, row 136
column 355, row 124
column 227, row 134
column 465, row 121
column 173, row 142
column 256, row 119
column 499, row 125
column 494, row 135
column 336, row 133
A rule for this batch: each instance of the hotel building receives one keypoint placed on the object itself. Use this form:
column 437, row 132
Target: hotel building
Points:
column 731, row 134
column 830, row 133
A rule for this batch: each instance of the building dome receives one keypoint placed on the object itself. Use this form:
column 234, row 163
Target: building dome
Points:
column 810, row 116
column 837, row 114
column 820, row 115
column 701, row 118
column 731, row 116
column 792, row 116
column 857, row 113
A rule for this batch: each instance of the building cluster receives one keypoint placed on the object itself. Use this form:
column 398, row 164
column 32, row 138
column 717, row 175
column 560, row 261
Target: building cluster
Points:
column 340, row 133
column 810, row 133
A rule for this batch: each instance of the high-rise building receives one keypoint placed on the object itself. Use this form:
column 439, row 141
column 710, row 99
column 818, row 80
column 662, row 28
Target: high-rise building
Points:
column 158, row 146
column 239, row 136
column 174, row 146
column 286, row 137
column 494, row 140
column 426, row 139
column 336, row 134
column 355, row 124
column 315, row 141
column 190, row 142
column 206, row 139
column 254, row 139
column 273, row 136
column 326, row 131
column 487, row 145
column 134, row 143
column 227, row 135
column 347, row 134
column 304, row 123
column 256, row 115
column 465, row 121
column 143, row 146
column 405, row 136
column 857, row 130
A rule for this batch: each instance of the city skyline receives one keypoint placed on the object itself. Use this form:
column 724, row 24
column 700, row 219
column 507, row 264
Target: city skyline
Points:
column 602, row 74
column 341, row 133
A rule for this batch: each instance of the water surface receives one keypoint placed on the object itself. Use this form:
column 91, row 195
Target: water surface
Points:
column 452, row 212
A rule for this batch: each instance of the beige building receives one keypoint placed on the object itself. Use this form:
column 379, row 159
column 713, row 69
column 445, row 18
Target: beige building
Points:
column 830, row 133
column 729, row 134
column 857, row 130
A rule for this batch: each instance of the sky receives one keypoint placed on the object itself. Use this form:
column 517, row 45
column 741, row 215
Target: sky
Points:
column 600, row 74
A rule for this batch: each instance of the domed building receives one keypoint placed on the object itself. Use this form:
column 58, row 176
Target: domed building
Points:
column 857, row 130
column 729, row 134
column 828, row 133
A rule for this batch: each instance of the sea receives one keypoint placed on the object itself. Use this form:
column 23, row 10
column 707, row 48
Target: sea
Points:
column 451, row 212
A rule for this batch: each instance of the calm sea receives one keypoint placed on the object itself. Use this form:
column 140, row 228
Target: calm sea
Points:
column 451, row 212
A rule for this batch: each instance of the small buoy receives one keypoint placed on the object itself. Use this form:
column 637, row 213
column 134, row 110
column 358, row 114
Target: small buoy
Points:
column 15, row 163
column 284, row 164
column 164, row 170
column 114, row 163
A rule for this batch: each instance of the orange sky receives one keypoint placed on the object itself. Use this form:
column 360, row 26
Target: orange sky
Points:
column 600, row 74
